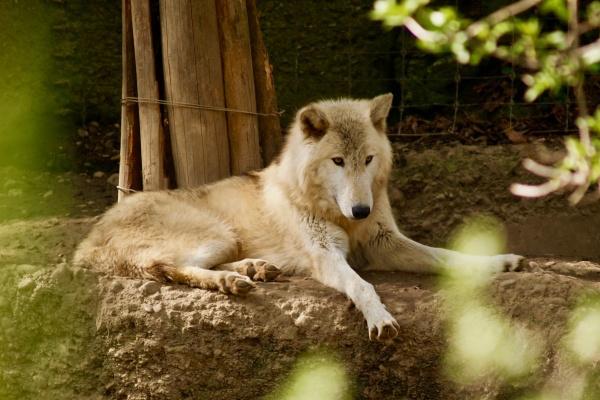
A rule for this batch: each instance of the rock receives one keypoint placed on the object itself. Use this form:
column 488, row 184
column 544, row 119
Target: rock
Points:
column 27, row 268
column 99, row 174
column 211, row 337
column 48, row 194
column 149, row 288
column 26, row 283
column 116, row 287
column 62, row 274
column 147, row 308
column 113, row 180
column 93, row 127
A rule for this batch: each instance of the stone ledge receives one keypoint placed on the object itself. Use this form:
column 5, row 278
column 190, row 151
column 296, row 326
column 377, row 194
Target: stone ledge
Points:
column 174, row 342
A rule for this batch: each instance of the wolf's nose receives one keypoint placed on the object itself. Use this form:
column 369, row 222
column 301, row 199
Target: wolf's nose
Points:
column 360, row 212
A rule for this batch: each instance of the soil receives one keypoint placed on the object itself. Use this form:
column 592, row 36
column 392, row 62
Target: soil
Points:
column 70, row 333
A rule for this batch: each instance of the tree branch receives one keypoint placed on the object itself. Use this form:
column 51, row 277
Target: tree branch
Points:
column 421, row 33
column 501, row 14
column 584, row 132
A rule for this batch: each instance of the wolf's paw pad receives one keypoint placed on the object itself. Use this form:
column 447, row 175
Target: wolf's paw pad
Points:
column 235, row 283
column 260, row 270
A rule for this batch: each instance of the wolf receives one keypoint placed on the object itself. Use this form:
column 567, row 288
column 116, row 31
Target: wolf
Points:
column 320, row 209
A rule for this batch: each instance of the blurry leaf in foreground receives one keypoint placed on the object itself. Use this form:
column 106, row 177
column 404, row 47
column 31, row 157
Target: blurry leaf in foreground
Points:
column 316, row 376
column 480, row 236
column 481, row 341
column 583, row 340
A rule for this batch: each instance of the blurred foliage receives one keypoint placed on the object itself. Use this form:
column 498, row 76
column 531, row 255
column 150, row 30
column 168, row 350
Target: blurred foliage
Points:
column 485, row 343
column 316, row 375
column 59, row 67
column 29, row 127
column 556, row 54
column 482, row 342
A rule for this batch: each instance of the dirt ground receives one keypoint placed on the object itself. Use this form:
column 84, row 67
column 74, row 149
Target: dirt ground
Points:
column 70, row 333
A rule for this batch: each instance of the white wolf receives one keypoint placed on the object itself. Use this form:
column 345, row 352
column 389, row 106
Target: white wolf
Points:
column 320, row 209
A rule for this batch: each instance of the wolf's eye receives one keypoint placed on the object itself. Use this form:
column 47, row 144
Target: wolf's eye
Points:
column 339, row 161
column 368, row 160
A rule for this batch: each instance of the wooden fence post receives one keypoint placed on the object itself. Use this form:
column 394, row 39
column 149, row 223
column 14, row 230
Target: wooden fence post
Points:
column 269, row 127
column 129, row 161
column 216, row 78
column 151, row 129
column 239, row 85
column 193, row 75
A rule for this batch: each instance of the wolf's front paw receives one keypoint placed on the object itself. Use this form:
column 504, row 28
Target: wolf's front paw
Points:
column 382, row 326
column 508, row 262
column 234, row 283
column 259, row 270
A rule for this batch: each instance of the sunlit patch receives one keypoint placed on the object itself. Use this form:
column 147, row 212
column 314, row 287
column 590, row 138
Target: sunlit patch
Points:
column 316, row 375
column 482, row 342
column 482, row 236
column 583, row 338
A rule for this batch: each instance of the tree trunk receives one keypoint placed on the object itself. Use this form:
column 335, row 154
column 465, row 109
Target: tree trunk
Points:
column 151, row 129
column 269, row 127
column 239, row 85
column 129, row 164
column 193, row 75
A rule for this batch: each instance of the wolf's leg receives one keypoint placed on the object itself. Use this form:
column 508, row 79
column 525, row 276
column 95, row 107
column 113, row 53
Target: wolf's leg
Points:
column 384, row 247
column 195, row 268
column 257, row 269
column 328, row 246
column 157, row 235
column 224, row 281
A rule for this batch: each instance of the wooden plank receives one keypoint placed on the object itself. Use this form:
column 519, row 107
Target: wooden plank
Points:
column 129, row 164
column 151, row 129
column 239, row 85
column 193, row 74
column 269, row 128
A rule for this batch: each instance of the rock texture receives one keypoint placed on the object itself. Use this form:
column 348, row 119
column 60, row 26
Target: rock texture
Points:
column 174, row 342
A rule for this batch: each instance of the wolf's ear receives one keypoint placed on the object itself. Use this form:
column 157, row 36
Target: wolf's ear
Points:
column 314, row 122
column 380, row 108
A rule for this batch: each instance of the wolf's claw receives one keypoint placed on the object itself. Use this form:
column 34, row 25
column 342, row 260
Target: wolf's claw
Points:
column 384, row 328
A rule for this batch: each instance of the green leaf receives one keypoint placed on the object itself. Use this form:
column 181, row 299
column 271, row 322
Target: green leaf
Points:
column 556, row 7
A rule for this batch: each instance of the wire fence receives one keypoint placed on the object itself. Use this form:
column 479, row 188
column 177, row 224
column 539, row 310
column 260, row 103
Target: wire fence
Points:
column 456, row 100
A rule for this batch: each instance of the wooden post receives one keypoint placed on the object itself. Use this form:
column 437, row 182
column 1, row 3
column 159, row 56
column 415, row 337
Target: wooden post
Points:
column 129, row 164
column 193, row 74
column 269, row 127
column 151, row 129
column 239, row 85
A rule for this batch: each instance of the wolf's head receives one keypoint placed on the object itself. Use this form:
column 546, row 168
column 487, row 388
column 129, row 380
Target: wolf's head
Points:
column 340, row 154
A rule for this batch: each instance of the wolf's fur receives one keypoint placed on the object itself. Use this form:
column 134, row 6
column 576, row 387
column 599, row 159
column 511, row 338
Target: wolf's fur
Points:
column 296, row 216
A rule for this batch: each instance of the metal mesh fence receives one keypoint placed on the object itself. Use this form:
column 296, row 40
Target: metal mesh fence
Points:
column 433, row 94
